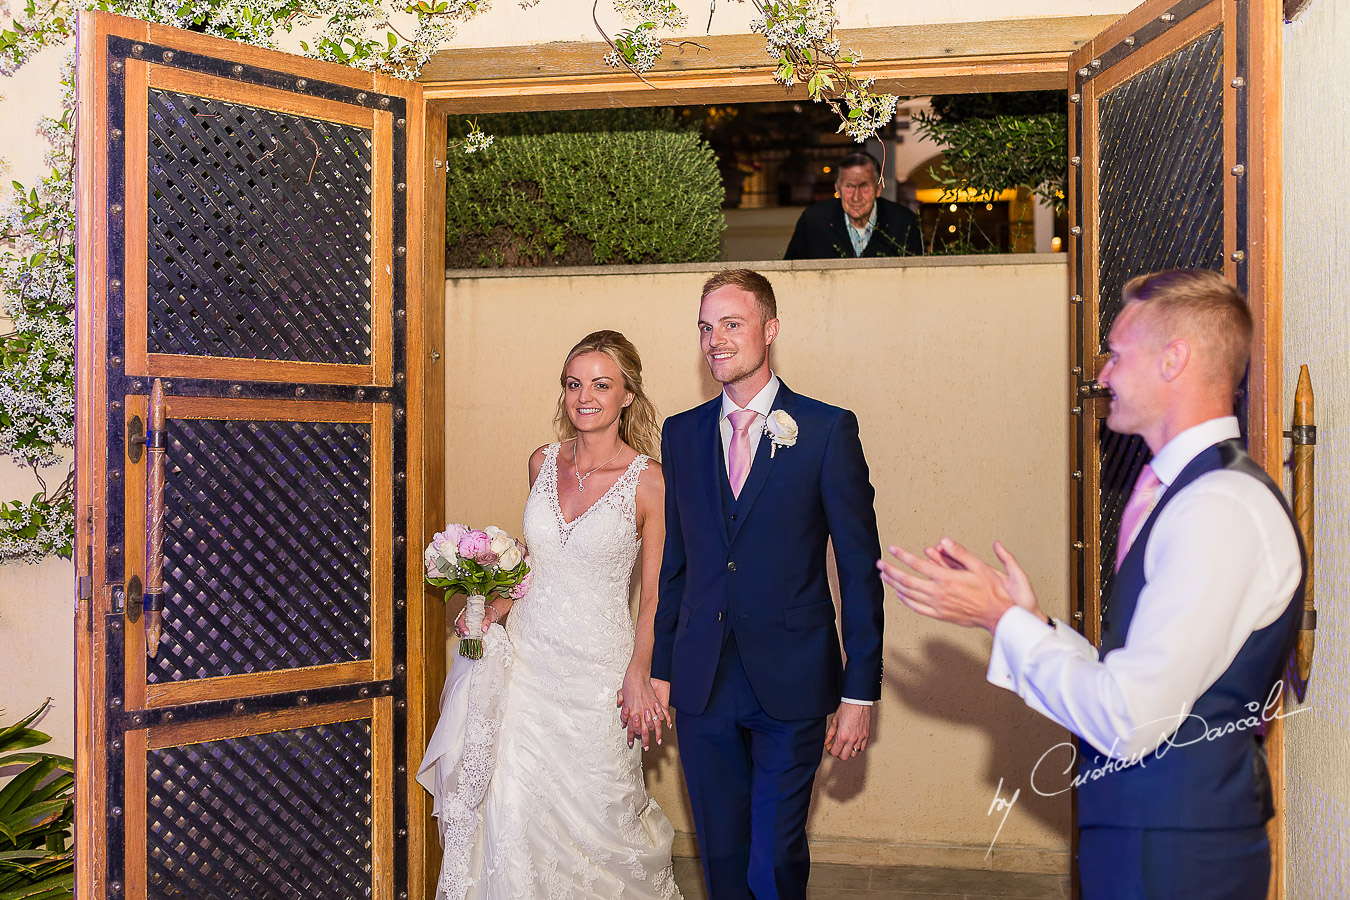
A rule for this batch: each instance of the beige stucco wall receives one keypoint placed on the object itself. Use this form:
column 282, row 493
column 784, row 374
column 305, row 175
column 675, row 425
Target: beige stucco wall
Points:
column 37, row 646
column 957, row 373
column 1317, row 332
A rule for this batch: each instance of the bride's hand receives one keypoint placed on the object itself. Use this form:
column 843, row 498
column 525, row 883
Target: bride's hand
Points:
column 491, row 616
column 641, row 711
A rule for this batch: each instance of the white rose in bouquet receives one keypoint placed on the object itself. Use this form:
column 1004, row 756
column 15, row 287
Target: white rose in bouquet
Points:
column 510, row 557
column 501, row 542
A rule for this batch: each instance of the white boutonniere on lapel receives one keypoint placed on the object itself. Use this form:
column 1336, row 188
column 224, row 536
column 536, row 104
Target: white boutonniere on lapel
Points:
column 781, row 429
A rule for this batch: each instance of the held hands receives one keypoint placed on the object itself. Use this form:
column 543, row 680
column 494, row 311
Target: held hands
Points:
column 848, row 730
column 644, row 702
column 951, row 584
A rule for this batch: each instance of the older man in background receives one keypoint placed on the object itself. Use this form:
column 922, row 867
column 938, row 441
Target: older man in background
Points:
column 859, row 223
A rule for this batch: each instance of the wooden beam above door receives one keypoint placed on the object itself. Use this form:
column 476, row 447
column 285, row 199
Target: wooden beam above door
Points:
column 960, row 57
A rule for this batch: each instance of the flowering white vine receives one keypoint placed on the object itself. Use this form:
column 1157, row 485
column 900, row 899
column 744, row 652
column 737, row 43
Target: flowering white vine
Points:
column 37, row 275
column 800, row 34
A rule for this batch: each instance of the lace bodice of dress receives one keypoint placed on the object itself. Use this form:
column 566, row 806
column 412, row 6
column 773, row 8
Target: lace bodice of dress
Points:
column 582, row 570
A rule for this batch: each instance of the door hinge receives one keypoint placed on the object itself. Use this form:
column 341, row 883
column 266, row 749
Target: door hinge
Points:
column 84, row 583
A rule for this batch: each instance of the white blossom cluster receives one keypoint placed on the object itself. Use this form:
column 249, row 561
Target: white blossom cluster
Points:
column 868, row 113
column 37, row 277
column 476, row 140
column 37, row 289
column 346, row 25
column 798, row 25
column 661, row 13
column 349, row 24
column 639, row 46
column 343, row 21
column 28, row 38
column 29, row 532
column 250, row 21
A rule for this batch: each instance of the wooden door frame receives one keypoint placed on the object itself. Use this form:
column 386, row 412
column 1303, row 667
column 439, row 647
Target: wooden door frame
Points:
column 947, row 58
column 1253, row 256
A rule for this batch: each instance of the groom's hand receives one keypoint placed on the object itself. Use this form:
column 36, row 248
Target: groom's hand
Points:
column 662, row 689
column 848, row 730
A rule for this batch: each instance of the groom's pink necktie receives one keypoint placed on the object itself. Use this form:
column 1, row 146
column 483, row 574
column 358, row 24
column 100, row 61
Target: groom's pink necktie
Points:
column 1138, row 507
column 738, row 460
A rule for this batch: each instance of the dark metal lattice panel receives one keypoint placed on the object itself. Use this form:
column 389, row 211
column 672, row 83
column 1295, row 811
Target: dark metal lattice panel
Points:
column 281, row 815
column 267, row 547
column 259, row 233
column 1161, row 202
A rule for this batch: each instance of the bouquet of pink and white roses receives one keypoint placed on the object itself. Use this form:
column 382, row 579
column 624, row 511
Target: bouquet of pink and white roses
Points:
column 482, row 564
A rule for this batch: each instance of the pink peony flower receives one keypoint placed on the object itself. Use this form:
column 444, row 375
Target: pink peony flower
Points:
column 473, row 544
column 523, row 588
column 447, row 543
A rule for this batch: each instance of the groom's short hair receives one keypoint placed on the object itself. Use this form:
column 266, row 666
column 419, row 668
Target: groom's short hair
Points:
column 747, row 280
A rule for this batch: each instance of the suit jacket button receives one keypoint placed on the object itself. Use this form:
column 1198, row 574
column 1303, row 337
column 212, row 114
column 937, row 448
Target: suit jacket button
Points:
column 731, row 567
column 719, row 616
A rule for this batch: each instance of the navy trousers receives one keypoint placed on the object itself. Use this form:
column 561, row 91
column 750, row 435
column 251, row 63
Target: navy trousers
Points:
column 1149, row 864
column 749, row 777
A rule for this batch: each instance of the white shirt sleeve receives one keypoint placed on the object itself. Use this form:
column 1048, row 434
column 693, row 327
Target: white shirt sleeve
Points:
column 1222, row 561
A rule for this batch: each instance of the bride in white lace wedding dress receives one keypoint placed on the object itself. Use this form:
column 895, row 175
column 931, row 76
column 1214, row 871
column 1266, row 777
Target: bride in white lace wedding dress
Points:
column 566, row 813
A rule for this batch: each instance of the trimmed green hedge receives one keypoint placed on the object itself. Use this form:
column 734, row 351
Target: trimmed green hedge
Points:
column 579, row 197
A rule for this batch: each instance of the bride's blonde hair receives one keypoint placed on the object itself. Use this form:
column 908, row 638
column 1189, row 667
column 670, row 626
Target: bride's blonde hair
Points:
column 638, row 426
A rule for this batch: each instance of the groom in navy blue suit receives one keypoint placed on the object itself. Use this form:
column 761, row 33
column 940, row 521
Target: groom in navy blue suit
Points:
column 758, row 481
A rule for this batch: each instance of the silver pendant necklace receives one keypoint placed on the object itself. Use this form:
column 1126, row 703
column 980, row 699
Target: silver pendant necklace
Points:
column 581, row 479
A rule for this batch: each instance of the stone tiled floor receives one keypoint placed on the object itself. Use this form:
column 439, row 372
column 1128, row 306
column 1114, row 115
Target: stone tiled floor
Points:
column 835, row 882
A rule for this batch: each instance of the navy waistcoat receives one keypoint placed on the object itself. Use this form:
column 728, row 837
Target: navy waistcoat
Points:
column 1211, row 773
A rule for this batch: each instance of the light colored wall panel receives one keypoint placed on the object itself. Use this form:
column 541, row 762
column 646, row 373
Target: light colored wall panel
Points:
column 1317, row 332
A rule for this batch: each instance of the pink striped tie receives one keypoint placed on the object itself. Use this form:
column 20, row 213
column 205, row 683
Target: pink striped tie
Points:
column 1139, row 506
column 738, row 460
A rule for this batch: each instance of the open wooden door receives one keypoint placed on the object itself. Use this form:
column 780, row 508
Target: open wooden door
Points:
column 249, row 263
column 1174, row 126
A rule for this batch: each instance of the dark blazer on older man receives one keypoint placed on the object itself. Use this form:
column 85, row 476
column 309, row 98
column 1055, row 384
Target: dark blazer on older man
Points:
column 822, row 234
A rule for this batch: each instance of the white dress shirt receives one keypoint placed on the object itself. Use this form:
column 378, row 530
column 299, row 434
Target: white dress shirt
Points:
column 1221, row 562
column 761, row 403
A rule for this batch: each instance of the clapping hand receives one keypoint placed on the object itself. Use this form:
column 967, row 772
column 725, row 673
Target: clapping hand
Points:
column 951, row 584
column 641, row 708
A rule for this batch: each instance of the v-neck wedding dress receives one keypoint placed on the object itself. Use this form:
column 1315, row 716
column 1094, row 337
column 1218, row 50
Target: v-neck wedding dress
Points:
column 566, row 814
